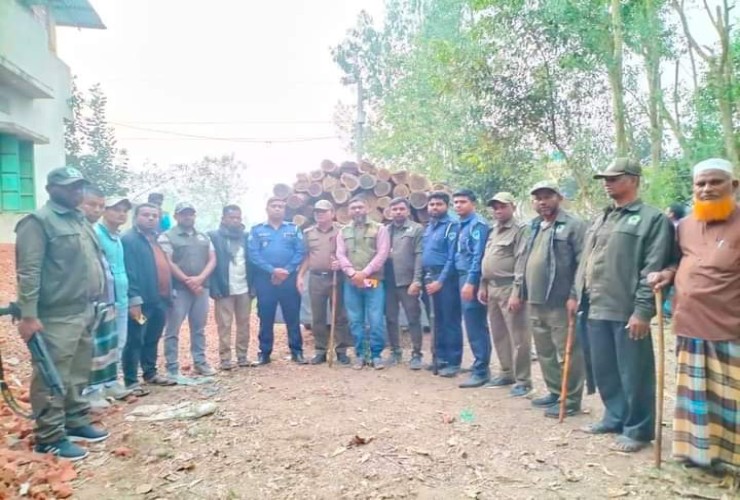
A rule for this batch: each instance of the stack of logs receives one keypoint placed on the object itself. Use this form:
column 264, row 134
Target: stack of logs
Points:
column 339, row 183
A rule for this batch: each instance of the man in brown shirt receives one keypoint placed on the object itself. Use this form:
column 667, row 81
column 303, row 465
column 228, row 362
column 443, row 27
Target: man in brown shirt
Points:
column 501, row 280
column 706, row 321
column 320, row 262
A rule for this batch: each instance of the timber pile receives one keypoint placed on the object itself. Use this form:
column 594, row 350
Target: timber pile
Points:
column 339, row 183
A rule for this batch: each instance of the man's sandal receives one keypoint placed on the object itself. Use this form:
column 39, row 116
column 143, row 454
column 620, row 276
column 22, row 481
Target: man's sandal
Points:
column 598, row 428
column 627, row 445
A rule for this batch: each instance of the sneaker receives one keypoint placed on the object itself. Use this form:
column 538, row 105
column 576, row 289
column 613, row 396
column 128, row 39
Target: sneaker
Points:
column 500, row 381
column 87, row 433
column 520, row 391
column 226, row 366
column 343, row 359
column 415, row 363
column 359, row 364
column 117, row 391
column 63, row 448
column 298, row 358
column 318, row 359
column 160, row 380
column 263, row 359
column 378, row 363
column 245, row 363
column 97, row 401
column 473, row 381
column 205, row 370
column 546, row 401
column 396, row 357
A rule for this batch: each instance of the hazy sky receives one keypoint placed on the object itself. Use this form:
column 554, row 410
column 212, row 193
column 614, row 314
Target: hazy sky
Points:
column 250, row 69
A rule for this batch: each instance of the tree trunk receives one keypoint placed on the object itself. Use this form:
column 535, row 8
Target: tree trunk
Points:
column 615, row 70
column 655, row 91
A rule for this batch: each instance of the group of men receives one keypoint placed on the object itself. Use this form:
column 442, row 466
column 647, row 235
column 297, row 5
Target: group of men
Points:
column 506, row 284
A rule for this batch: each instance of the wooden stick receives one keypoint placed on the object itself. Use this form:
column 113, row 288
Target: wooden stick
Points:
column 661, row 380
column 330, row 348
column 566, row 367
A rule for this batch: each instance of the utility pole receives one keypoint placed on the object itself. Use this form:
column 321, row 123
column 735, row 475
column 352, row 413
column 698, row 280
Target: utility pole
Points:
column 359, row 125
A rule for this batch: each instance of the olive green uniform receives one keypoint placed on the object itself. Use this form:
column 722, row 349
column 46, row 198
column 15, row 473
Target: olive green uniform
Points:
column 60, row 277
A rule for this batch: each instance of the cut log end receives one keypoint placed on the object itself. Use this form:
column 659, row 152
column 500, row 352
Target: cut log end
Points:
column 281, row 191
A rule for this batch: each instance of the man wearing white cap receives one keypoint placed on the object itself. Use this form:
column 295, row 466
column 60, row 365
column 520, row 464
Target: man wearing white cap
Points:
column 706, row 321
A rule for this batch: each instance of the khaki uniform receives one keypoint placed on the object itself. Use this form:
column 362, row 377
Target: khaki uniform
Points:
column 501, row 275
column 321, row 247
column 403, row 268
column 60, row 277
column 553, row 253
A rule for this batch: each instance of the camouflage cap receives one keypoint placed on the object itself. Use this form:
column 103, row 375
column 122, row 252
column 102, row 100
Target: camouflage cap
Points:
column 550, row 186
column 184, row 205
column 621, row 166
column 323, row 205
column 502, row 197
column 65, row 176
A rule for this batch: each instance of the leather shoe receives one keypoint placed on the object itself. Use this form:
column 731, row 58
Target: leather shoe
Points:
column 343, row 359
column 298, row 359
column 473, row 381
column 449, row 371
column 546, row 401
column 263, row 359
column 554, row 411
column 317, row 359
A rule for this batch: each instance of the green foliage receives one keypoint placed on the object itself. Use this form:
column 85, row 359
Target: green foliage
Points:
column 90, row 143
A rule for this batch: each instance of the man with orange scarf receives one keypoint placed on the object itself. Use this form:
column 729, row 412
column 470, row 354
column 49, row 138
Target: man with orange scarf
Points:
column 706, row 322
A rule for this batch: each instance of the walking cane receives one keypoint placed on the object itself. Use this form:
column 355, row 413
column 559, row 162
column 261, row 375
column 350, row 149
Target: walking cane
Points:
column 566, row 366
column 661, row 380
column 331, row 353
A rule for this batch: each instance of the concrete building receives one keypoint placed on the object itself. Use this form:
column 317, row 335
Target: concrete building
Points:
column 35, row 88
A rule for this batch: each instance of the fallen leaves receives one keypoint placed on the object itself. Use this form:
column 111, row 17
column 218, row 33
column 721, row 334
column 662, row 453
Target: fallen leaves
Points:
column 360, row 441
column 122, row 452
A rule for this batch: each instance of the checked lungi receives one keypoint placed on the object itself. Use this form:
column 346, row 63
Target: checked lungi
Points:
column 706, row 425
column 105, row 349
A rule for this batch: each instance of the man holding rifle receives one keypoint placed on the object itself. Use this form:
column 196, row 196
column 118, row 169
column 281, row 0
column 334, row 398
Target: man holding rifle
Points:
column 324, row 283
column 60, row 279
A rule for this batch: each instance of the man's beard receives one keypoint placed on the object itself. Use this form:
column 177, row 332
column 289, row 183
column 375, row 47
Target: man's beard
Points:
column 360, row 219
column 714, row 210
column 233, row 232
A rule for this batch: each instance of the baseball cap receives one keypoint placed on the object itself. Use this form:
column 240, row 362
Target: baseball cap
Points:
column 323, row 205
column 621, row 166
column 184, row 205
column 112, row 201
column 502, row 197
column 550, row 186
column 65, row 176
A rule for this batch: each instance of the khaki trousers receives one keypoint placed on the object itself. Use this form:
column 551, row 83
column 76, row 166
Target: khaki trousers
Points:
column 320, row 292
column 228, row 308
column 550, row 331
column 511, row 336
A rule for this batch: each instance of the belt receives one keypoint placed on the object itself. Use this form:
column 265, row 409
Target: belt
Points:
column 502, row 281
column 321, row 273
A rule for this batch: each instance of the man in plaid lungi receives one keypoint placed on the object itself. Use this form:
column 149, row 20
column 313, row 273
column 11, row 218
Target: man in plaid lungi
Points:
column 707, row 322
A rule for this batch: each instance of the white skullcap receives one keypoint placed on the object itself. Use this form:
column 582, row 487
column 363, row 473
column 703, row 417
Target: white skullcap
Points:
column 713, row 164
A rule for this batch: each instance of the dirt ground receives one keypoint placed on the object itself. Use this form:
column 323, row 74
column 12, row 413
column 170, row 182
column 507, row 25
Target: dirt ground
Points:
column 287, row 431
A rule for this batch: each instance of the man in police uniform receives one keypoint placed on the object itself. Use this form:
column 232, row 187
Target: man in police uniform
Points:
column 403, row 281
column 440, row 280
column 552, row 256
column 192, row 260
column 500, row 290
column 471, row 242
column 60, row 278
column 276, row 249
column 625, row 243
column 321, row 263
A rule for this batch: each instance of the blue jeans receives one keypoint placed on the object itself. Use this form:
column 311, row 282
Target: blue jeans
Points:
column 185, row 304
column 366, row 305
column 141, row 344
column 479, row 337
column 624, row 370
column 268, row 297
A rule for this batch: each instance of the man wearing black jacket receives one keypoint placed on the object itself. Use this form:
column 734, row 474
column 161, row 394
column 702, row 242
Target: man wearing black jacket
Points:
column 150, row 289
column 229, row 286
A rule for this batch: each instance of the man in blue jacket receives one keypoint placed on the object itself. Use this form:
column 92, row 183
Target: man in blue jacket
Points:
column 276, row 249
column 471, row 242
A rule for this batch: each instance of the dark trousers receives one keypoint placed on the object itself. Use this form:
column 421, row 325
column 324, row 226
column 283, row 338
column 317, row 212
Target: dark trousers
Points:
column 268, row 297
column 624, row 370
column 448, row 323
column 142, row 342
column 476, row 325
column 395, row 295
column 320, row 291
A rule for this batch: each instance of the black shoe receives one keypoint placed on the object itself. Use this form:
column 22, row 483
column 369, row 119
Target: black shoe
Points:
column 473, row 381
column 318, row 359
column 298, row 359
column 554, row 411
column 449, row 371
column 545, row 401
column 263, row 359
column 343, row 359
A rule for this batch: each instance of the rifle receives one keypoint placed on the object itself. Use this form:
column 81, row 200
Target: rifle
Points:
column 432, row 327
column 41, row 359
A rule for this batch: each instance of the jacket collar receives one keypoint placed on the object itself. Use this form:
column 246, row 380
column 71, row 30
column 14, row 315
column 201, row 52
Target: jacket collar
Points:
column 635, row 206
column 62, row 210
column 506, row 225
